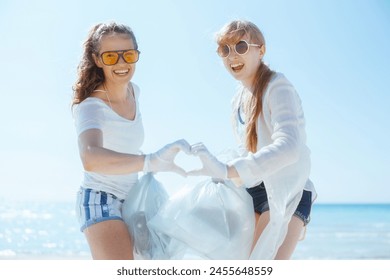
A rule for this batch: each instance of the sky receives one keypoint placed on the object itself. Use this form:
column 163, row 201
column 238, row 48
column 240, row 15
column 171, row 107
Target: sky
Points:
column 336, row 54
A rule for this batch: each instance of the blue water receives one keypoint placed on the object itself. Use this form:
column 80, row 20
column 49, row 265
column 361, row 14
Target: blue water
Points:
column 347, row 231
column 50, row 230
column 40, row 230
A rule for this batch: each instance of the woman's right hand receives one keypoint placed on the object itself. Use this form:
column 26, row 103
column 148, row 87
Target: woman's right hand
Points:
column 211, row 165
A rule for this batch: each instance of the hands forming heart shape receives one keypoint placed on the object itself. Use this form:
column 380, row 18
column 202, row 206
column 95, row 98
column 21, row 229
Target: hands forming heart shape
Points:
column 164, row 160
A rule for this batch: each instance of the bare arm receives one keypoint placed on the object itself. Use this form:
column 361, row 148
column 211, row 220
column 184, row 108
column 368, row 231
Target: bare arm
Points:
column 233, row 175
column 232, row 172
column 95, row 158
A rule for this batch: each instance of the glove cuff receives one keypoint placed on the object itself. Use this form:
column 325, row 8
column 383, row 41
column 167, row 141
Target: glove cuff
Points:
column 146, row 167
column 226, row 173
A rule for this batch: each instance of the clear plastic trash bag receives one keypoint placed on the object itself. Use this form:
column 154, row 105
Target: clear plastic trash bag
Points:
column 207, row 220
column 142, row 203
column 211, row 220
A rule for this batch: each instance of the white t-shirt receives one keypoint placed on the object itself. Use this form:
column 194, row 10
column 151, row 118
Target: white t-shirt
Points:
column 119, row 134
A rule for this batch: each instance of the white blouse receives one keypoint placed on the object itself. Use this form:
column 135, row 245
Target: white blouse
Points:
column 282, row 159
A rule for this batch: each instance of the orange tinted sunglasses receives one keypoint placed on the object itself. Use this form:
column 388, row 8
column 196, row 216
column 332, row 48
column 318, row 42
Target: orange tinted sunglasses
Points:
column 112, row 57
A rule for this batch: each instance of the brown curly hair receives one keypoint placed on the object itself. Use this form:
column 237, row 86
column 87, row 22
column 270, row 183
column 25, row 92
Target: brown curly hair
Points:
column 89, row 75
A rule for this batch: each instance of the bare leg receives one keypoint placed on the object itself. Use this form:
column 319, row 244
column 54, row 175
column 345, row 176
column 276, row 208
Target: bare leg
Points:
column 294, row 232
column 261, row 222
column 287, row 248
column 109, row 240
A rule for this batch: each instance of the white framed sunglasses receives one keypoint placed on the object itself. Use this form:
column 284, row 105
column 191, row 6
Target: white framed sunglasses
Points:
column 241, row 48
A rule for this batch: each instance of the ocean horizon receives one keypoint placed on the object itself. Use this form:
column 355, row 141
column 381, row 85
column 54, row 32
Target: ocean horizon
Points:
column 49, row 230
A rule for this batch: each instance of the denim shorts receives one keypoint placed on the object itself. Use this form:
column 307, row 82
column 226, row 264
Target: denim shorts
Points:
column 97, row 206
column 260, row 202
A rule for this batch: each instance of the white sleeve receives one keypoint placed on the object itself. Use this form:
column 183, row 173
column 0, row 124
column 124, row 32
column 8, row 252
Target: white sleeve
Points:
column 283, row 105
column 88, row 115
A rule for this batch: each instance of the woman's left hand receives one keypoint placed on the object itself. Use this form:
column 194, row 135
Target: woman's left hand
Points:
column 211, row 165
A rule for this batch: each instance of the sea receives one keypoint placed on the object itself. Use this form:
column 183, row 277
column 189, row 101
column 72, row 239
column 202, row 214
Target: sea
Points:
column 42, row 230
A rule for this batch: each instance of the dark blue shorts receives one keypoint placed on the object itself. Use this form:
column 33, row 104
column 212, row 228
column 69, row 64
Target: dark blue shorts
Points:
column 260, row 202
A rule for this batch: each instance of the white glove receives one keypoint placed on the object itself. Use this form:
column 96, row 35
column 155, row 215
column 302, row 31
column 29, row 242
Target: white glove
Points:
column 211, row 165
column 163, row 159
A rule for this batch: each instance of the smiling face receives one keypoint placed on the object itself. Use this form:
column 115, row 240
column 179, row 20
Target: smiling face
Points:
column 121, row 72
column 244, row 67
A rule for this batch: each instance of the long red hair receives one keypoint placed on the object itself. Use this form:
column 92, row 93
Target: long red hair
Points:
column 230, row 34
